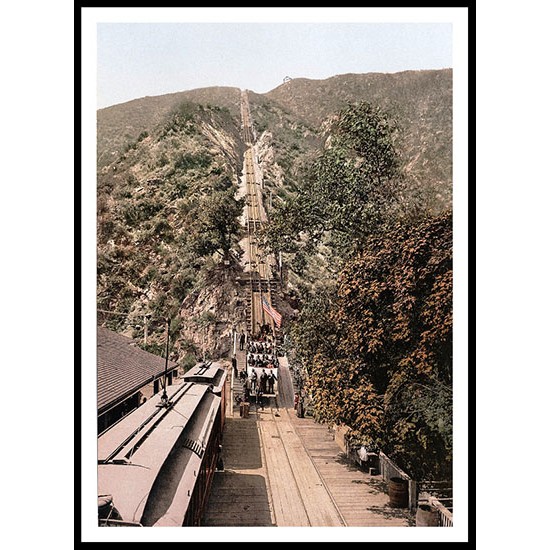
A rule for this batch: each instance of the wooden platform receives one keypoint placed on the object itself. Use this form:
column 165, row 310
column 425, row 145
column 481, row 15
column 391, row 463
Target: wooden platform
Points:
column 361, row 498
column 239, row 496
column 281, row 470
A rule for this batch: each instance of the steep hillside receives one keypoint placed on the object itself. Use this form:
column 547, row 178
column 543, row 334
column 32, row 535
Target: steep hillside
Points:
column 167, row 173
column 166, row 216
column 120, row 125
column 295, row 115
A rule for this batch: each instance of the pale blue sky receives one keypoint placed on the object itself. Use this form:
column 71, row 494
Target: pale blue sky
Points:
column 139, row 59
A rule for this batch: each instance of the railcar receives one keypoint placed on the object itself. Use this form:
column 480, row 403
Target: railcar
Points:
column 212, row 374
column 156, row 465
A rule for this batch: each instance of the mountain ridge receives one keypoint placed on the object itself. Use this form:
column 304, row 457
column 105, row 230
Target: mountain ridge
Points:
column 162, row 160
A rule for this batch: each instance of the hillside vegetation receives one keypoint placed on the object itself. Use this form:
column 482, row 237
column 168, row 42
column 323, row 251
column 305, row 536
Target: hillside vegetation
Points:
column 121, row 125
column 166, row 215
column 297, row 114
column 357, row 180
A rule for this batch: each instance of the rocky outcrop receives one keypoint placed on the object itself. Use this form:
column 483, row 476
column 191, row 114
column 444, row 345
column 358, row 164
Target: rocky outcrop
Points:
column 211, row 314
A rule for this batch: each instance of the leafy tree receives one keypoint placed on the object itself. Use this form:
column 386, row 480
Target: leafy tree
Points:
column 314, row 331
column 386, row 371
column 212, row 224
column 346, row 193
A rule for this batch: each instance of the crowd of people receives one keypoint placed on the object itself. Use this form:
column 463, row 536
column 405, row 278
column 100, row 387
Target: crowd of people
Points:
column 260, row 354
column 259, row 377
column 259, row 381
column 257, row 385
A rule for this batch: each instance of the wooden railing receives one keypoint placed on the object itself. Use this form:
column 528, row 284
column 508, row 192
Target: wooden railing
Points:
column 444, row 514
column 389, row 469
column 438, row 495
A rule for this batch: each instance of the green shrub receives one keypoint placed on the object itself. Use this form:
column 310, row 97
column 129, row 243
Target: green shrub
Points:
column 186, row 161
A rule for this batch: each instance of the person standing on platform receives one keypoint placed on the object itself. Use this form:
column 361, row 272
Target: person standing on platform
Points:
column 242, row 341
column 270, row 382
column 260, row 400
column 263, row 381
column 234, row 363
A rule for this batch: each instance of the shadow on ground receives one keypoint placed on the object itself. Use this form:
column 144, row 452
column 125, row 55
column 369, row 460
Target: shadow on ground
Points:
column 387, row 512
column 238, row 500
column 241, row 444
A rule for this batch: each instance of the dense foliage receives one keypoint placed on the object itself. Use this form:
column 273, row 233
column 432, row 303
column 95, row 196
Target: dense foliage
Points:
column 379, row 354
column 346, row 193
column 377, row 346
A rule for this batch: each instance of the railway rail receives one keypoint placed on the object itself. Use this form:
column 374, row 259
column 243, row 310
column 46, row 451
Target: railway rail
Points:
column 299, row 495
column 261, row 282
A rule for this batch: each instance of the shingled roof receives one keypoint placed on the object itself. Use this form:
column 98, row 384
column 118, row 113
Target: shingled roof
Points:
column 123, row 368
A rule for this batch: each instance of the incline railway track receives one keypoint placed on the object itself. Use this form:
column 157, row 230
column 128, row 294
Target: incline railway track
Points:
column 248, row 130
column 262, row 284
column 300, row 497
column 298, row 494
column 283, row 469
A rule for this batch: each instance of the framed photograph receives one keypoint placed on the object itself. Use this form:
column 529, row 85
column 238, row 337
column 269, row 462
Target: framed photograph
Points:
column 275, row 274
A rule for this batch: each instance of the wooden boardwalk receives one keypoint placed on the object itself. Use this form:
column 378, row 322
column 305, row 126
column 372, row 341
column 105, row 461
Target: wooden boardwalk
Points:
column 281, row 470
column 239, row 495
column 361, row 498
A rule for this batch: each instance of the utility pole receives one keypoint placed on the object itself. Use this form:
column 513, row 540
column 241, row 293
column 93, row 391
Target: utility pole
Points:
column 145, row 328
column 204, row 344
column 164, row 397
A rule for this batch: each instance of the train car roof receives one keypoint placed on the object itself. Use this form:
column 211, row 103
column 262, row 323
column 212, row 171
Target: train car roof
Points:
column 207, row 373
column 149, row 461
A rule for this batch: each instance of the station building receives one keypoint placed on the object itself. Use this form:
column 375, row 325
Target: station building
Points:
column 127, row 376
